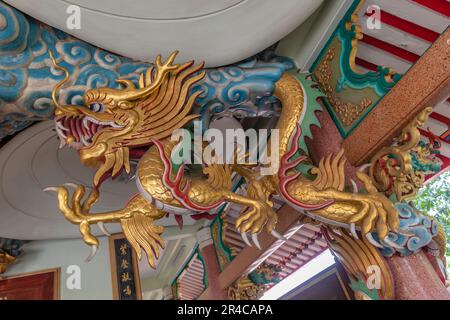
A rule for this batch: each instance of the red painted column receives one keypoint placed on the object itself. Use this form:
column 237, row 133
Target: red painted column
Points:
column 212, row 268
column 326, row 140
column 415, row 278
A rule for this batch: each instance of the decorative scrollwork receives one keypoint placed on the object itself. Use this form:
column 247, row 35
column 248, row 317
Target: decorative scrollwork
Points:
column 244, row 289
column 10, row 249
column 255, row 283
column 400, row 169
column 5, row 261
column 351, row 92
column 417, row 232
column 28, row 76
column 348, row 112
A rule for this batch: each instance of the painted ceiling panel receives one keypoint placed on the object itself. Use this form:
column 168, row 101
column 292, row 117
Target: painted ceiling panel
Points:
column 377, row 42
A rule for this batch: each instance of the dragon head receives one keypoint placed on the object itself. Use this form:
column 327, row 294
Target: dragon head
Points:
column 111, row 122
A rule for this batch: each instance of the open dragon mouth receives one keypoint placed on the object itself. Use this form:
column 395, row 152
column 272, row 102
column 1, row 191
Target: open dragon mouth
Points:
column 78, row 132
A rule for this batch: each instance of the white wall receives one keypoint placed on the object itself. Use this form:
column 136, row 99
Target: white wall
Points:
column 95, row 275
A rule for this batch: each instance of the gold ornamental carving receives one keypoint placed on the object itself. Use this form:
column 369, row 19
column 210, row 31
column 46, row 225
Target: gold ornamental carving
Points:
column 5, row 261
column 120, row 121
column 244, row 289
column 347, row 112
column 391, row 168
column 359, row 258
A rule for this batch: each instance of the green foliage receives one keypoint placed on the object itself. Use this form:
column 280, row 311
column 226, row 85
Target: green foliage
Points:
column 434, row 198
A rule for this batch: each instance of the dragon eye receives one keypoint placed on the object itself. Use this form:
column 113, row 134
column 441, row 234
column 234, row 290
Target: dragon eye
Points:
column 96, row 107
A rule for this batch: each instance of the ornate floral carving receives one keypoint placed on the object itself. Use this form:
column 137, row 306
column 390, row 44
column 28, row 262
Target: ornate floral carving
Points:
column 347, row 112
column 343, row 81
column 400, row 169
column 5, row 261
column 244, row 289
column 10, row 249
column 255, row 283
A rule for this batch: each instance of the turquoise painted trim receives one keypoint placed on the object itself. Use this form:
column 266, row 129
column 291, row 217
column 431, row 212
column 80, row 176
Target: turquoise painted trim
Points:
column 333, row 35
column 372, row 79
column 349, row 78
column 220, row 245
column 311, row 95
column 200, row 257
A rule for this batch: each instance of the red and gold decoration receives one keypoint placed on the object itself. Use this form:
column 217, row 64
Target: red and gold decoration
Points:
column 5, row 261
column 121, row 120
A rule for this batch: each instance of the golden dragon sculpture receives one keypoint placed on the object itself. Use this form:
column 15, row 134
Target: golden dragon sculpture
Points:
column 114, row 125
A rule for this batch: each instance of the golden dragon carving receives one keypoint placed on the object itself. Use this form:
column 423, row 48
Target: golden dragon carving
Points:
column 117, row 122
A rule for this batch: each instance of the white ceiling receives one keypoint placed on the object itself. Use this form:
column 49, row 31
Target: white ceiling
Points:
column 172, row 259
column 220, row 31
column 32, row 161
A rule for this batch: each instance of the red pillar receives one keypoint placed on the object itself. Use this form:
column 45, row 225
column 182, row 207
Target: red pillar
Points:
column 415, row 278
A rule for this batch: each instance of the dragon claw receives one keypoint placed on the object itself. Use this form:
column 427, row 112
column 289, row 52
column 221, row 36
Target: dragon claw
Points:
column 70, row 185
column 245, row 238
column 51, row 189
column 354, row 186
column 92, row 254
column 62, row 144
column 256, row 241
column 103, row 229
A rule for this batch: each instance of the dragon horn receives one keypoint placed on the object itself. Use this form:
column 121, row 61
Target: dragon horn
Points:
column 162, row 70
column 60, row 108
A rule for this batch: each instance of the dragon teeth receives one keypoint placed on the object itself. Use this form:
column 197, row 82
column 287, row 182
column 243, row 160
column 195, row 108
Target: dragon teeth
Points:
column 60, row 133
column 85, row 123
column 60, row 125
column 83, row 139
